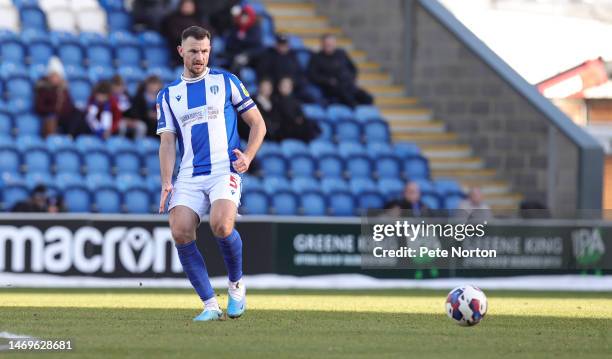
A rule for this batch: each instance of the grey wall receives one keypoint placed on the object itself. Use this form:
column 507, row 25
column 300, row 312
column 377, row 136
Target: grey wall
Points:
column 374, row 26
column 501, row 125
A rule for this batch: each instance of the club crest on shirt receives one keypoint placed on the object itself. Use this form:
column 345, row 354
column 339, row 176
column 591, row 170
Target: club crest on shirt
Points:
column 244, row 90
column 214, row 89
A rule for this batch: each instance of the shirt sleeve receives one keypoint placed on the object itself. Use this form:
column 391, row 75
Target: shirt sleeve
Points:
column 164, row 117
column 241, row 99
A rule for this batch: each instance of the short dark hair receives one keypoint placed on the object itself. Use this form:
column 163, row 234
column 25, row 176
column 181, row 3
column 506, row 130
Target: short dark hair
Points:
column 197, row 32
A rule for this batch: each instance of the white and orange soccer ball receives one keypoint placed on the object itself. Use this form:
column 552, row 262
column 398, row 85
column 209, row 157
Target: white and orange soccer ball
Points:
column 466, row 305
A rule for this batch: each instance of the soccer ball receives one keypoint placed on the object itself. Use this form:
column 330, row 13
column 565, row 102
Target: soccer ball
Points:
column 467, row 305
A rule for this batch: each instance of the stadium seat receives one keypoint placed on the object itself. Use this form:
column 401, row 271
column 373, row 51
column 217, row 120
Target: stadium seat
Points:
column 59, row 37
column 331, row 185
column 388, row 167
column 370, row 200
column 67, row 161
column 359, row 167
column 9, row 19
column 107, row 200
column 127, row 162
column 99, row 55
column 71, row 53
column 34, row 179
column 350, row 149
column 361, row 185
column 337, row 112
column 273, row 165
column 37, row 161
column 273, row 184
column 255, row 202
column 377, row 149
column 28, row 142
column 341, row 204
column 431, row 200
column 77, row 198
column 87, row 143
column 447, row 186
column 151, row 163
column 80, row 5
column 87, row 38
column 452, row 201
column 13, row 193
column 93, row 181
column 12, row 51
column 128, row 55
column 269, row 148
column 116, row 144
column 57, row 142
column 20, row 105
column 112, row 4
column 365, row 113
column 48, row 5
column 32, row 18
column 10, row 70
column 390, row 188
column 348, row 130
column 75, row 72
column 327, row 130
column 156, row 56
column 248, row 75
column 147, row 145
column 320, row 148
column 313, row 203
column 285, row 203
column 126, row 181
column 9, row 160
column 291, row 147
column 331, row 166
column 152, row 38
column 61, row 19
column 93, row 20
column 406, row 149
column 28, row 125
column 97, row 73
column 303, row 57
column 302, row 166
column 304, row 184
column 314, row 112
column 97, row 161
column 415, row 167
column 162, row 72
column 119, row 20
column 19, row 88
column 376, row 131
column 295, row 42
column 137, row 200
column 80, row 90
column 425, row 186
column 38, row 71
column 251, row 183
column 6, row 123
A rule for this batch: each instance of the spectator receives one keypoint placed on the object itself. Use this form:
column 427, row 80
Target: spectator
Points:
column 281, row 61
column 120, row 93
column 38, row 201
column 143, row 106
column 410, row 202
column 128, row 126
column 264, row 102
column 474, row 208
column 53, row 101
column 149, row 13
column 334, row 72
column 244, row 43
column 293, row 124
column 220, row 14
column 103, row 114
column 172, row 26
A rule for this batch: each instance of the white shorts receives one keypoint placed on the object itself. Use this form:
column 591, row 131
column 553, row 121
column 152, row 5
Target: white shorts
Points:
column 199, row 192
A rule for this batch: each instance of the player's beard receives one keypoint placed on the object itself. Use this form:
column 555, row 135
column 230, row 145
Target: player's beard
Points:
column 197, row 69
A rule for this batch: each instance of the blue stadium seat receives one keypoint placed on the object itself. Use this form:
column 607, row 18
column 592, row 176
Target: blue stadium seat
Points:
column 341, row 204
column 390, row 187
column 348, row 130
column 291, row 147
column 147, row 145
column 119, row 20
column 137, row 200
column 9, row 70
column 255, row 202
column 28, row 125
column 313, row 203
column 248, row 76
column 117, row 38
column 349, row 149
column 153, row 183
column 152, row 38
column 80, row 90
column 116, row 144
column 361, row 185
column 156, row 56
column 86, row 143
column 431, row 200
column 273, row 184
column 99, row 55
column 107, row 200
column 331, row 166
column 6, row 140
column 13, row 193
column 151, row 163
column 364, row 113
column 19, row 88
column 24, row 3
column 93, row 181
column 98, row 73
column 425, row 186
column 27, row 143
column 37, row 71
column 57, row 142
column 331, row 185
column 97, row 162
column 304, row 184
column 405, row 149
column 163, row 72
column 327, row 130
column 37, row 161
column 6, row 123
column 320, row 148
column 60, row 37
column 67, row 160
column 388, row 167
column 18, row 106
column 32, row 18
column 415, row 167
column 127, row 162
column 452, row 201
column 71, row 53
column 13, row 51
column 75, row 72
column 10, row 160
column 126, row 181
column 77, row 199
column 448, row 186
column 377, row 149
column 251, row 183
column 376, row 131
column 110, row 5
column 34, row 179
column 285, row 203
column 40, row 52
column 87, row 38
column 128, row 55
column 359, row 167
column 314, row 112
column 337, row 112
column 370, row 200
column 302, row 165
column 303, row 57
column 269, row 148
column 273, row 165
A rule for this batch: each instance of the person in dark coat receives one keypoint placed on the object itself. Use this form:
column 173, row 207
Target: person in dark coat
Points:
column 293, row 123
column 264, row 101
column 334, row 72
column 172, row 26
column 410, row 204
column 37, row 202
column 144, row 104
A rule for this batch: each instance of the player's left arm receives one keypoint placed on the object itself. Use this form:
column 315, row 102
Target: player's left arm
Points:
column 256, row 122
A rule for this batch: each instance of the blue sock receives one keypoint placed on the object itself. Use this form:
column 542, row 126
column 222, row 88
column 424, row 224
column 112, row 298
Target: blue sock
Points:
column 195, row 269
column 231, row 249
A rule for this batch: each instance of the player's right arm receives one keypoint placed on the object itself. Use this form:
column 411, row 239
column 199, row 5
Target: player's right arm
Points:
column 167, row 146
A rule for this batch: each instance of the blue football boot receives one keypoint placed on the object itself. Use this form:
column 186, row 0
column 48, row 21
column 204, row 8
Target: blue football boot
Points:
column 236, row 299
column 208, row 315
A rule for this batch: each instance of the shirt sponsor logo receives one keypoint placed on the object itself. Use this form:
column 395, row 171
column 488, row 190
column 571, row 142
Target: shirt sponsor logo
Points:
column 245, row 90
column 178, row 97
column 213, row 113
column 192, row 117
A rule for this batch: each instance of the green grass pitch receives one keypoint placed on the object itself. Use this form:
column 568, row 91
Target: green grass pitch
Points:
column 309, row 324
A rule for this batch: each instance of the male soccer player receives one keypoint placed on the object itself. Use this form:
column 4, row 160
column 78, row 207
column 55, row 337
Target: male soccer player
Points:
column 200, row 111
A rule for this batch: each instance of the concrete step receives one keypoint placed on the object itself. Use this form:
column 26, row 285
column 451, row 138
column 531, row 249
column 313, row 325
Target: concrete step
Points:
column 504, row 199
column 423, row 138
column 284, row 21
column 386, row 90
column 308, row 31
column 465, row 174
column 395, row 102
column 290, row 9
column 367, row 66
column 447, row 151
column 417, row 126
column 358, row 56
column 374, row 78
column 454, row 163
column 343, row 42
column 406, row 114
column 487, row 186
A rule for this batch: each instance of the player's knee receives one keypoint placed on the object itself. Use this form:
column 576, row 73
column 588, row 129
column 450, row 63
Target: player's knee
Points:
column 182, row 235
column 222, row 229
